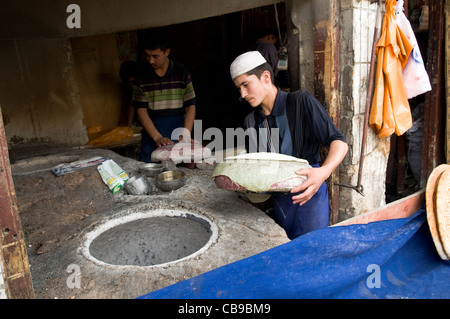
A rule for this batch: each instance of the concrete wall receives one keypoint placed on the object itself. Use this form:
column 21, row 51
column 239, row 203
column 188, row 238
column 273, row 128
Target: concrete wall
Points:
column 356, row 49
column 39, row 96
column 303, row 36
column 97, row 74
column 338, row 35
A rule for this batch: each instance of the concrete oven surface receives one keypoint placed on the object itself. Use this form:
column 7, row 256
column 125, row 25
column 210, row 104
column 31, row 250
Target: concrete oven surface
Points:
column 58, row 214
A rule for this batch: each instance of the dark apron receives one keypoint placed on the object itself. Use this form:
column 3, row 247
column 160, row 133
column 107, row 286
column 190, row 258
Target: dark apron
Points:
column 297, row 220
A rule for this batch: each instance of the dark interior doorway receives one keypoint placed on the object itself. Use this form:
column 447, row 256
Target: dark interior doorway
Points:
column 207, row 47
column 414, row 154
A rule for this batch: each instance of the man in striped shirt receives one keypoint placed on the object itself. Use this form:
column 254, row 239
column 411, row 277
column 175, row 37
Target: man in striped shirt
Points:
column 164, row 98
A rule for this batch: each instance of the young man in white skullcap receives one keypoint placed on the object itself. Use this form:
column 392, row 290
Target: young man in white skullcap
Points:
column 302, row 126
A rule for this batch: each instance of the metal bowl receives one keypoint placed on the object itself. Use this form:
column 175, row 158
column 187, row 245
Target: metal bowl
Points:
column 170, row 180
column 152, row 169
column 137, row 185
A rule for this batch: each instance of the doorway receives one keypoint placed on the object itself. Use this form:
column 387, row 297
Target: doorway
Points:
column 207, row 47
column 416, row 153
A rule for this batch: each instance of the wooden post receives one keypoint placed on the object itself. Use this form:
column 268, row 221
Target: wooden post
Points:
column 434, row 115
column 15, row 269
column 447, row 73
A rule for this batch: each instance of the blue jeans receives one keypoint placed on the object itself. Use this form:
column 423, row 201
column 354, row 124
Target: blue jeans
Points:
column 297, row 220
column 165, row 125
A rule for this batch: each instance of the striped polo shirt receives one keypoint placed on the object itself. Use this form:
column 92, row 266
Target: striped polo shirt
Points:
column 167, row 95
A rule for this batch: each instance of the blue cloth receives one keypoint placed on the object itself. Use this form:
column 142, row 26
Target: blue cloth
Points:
column 165, row 125
column 335, row 262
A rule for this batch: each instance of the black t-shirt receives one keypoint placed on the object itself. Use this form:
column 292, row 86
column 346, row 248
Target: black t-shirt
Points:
column 310, row 126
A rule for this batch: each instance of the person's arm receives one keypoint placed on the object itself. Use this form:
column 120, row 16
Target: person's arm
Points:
column 131, row 113
column 317, row 175
column 188, row 123
column 150, row 128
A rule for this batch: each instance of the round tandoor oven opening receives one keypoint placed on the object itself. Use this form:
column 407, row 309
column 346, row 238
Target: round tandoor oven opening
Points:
column 152, row 238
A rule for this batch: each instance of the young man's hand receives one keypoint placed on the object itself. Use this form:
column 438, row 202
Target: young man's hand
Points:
column 163, row 141
column 315, row 177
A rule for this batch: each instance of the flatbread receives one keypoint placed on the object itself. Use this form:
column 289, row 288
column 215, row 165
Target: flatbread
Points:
column 266, row 156
column 260, row 172
column 442, row 210
column 181, row 152
column 430, row 207
column 257, row 198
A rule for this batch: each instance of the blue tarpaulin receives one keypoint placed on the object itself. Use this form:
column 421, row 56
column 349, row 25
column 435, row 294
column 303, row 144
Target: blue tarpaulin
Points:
column 387, row 259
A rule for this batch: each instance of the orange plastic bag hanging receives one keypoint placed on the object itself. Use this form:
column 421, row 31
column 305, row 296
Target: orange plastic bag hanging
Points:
column 390, row 111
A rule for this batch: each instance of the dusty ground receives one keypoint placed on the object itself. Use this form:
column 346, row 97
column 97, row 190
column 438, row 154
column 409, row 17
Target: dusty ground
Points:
column 57, row 212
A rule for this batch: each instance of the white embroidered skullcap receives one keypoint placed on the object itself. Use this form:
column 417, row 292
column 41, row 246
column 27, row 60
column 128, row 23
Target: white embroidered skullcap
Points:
column 246, row 62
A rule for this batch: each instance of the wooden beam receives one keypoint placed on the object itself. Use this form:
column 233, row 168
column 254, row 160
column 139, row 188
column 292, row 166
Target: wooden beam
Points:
column 434, row 114
column 401, row 208
column 16, row 270
column 447, row 69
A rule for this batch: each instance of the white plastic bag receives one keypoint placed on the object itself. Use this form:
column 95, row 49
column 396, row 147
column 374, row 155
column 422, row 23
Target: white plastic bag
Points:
column 415, row 76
